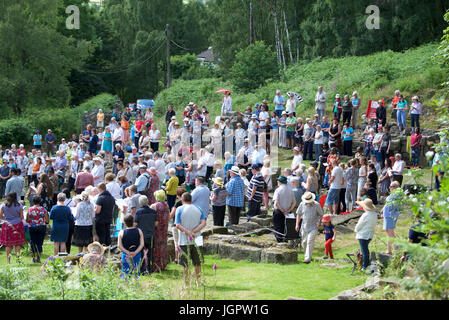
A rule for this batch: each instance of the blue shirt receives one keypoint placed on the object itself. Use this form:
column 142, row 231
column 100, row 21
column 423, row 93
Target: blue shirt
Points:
column 189, row 216
column 356, row 102
column 277, row 100
column 236, row 188
column 142, row 181
column 348, row 131
column 392, row 208
column 36, row 140
column 200, row 198
column 326, row 125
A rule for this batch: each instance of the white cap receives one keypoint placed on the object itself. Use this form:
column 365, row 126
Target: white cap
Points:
column 337, row 96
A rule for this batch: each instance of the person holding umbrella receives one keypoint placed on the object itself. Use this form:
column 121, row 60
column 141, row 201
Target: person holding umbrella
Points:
column 227, row 101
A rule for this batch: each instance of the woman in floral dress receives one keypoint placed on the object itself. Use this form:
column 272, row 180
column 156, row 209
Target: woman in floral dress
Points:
column 160, row 253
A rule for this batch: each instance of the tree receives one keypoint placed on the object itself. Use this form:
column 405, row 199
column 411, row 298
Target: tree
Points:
column 254, row 66
column 35, row 59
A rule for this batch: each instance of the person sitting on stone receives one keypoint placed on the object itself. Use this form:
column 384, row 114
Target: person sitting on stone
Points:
column 94, row 260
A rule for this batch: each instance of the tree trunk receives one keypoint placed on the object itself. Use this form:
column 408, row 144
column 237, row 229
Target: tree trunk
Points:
column 276, row 30
column 251, row 24
column 288, row 37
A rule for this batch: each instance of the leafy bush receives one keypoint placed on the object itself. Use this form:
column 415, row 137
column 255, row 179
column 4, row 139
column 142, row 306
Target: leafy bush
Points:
column 18, row 283
column 62, row 121
column 254, row 66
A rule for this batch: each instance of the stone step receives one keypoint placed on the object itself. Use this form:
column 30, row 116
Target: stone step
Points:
column 253, row 254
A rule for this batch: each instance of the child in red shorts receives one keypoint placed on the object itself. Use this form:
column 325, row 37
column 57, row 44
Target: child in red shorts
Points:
column 329, row 235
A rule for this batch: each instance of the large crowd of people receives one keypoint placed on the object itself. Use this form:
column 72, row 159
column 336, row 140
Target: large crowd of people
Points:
column 114, row 179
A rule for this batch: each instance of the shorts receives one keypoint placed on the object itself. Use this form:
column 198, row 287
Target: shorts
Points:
column 333, row 197
column 290, row 134
column 189, row 251
column 390, row 223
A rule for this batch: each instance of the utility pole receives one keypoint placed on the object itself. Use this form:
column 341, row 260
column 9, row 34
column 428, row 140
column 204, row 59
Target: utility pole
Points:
column 168, row 56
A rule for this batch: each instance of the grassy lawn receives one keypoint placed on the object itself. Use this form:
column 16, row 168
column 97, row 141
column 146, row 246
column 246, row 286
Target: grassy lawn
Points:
column 248, row 281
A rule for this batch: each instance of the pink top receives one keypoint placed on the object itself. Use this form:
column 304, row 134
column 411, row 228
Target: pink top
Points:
column 83, row 180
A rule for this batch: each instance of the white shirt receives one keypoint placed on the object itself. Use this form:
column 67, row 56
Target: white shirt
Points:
column 283, row 194
column 398, row 167
column 63, row 147
column 227, row 105
column 296, row 163
column 320, row 139
column 159, row 164
column 337, row 172
column 114, row 189
column 366, row 225
column 202, row 162
column 98, row 173
column 264, row 115
column 154, row 135
column 291, row 105
column 118, row 134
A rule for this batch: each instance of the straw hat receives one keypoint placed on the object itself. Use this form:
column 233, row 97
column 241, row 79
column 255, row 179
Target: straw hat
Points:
column 367, row 204
column 218, row 181
column 308, row 197
column 95, row 244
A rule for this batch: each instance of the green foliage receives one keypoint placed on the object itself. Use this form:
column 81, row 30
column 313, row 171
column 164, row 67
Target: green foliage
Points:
column 62, row 121
column 59, row 282
column 36, row 73
column 253, row 67
column 375, row 77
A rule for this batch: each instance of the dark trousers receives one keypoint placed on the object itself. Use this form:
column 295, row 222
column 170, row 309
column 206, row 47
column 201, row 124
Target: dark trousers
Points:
column 219, row 215
column 365, row 252
column 347, row 116
column 71, row 184
column 103, row 230
column 37, row 235
column 383, row 155
column 279, row 225
column 308, row 150
column 68, row 243
column 3, row 188
column 154, row 146
column 415, row 156
column 347, row 146
column 209, row 172
column 342, row 204
column 415, row 120
column 253, row 209
column 234, row 214
column 136, row 141
column 171, row 201
column 147, row 255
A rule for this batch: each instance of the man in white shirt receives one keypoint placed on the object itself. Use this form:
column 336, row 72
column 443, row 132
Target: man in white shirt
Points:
column 112, row 186
column 336, row 182
column 320, row 99
column 297, row 159
column 202, row 164
column 398, row 169
column 258, row 155
column 284, row 204
column 98, row 171
column 118, row 135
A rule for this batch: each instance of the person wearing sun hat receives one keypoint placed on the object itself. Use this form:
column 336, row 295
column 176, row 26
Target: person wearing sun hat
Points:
column 218, row 201
column 94, row 260
column 365, row 228
column 235, row 195
column 309, row 213
column 284, row 203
